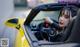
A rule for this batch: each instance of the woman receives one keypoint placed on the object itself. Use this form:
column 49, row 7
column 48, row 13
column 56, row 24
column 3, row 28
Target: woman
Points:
column 64, row 20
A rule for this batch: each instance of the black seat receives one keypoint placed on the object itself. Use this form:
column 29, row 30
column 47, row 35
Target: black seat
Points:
column 75, row 32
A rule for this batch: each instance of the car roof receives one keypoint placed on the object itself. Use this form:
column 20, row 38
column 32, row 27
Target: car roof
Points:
column 47, row 7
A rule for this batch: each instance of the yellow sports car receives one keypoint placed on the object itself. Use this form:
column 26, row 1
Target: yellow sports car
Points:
column 27, row 35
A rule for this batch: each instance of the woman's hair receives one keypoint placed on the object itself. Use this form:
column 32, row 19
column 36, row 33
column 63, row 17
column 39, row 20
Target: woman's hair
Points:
column 64, row 11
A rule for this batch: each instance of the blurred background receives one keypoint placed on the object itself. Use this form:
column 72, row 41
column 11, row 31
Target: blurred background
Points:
column 31, row 3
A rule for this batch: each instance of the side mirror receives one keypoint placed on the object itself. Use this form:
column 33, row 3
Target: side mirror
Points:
column 13, row 23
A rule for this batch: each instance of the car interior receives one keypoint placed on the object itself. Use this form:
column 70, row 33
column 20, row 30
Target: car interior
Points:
column 70, row 37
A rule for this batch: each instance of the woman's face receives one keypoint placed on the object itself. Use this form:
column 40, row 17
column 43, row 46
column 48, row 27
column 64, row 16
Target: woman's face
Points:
column 64, row 20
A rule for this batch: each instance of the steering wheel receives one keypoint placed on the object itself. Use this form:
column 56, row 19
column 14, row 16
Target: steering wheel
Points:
column 51, row 32
column 46, row 33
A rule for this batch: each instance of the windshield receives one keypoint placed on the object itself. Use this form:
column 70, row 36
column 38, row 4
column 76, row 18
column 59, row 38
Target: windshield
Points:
column 52, row 14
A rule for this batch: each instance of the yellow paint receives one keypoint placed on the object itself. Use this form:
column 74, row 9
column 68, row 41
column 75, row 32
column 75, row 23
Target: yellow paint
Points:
column 21, row 40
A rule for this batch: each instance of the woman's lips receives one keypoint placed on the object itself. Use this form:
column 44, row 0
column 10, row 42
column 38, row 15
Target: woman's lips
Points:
column 61, row 23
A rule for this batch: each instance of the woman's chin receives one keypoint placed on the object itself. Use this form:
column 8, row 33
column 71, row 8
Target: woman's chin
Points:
column 62, row 26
